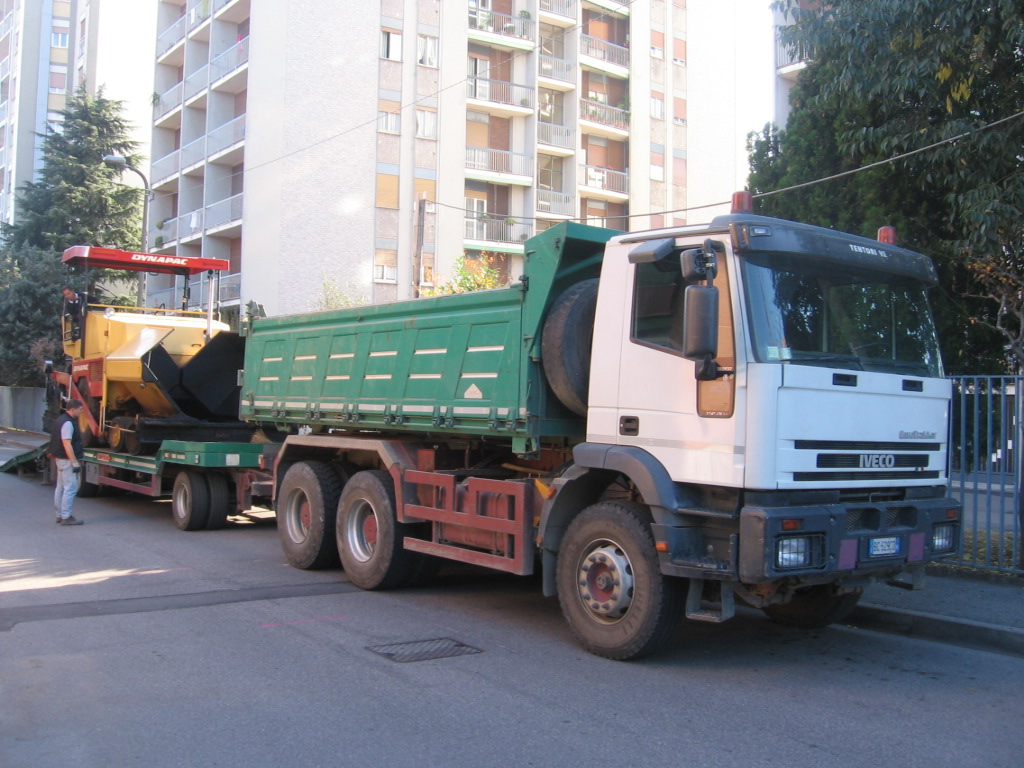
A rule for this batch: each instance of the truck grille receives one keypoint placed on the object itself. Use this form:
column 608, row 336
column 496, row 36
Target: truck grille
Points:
column 861, row 460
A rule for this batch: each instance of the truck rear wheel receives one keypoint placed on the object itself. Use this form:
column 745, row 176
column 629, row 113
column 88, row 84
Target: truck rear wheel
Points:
column 566, row 343
column 306, row 506
column 190, row 501
column 220, row 501
column 370, row 538
column 611, row 589
column 814, row 607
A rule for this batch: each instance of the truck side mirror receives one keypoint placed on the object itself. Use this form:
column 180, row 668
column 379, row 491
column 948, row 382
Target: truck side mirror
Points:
column 700, row 328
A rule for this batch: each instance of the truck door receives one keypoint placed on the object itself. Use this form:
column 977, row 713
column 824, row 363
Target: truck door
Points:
column 689, row 425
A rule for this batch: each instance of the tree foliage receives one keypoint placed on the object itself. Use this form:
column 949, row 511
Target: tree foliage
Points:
column 471, row 274
column 75, row 200
column 889, row 77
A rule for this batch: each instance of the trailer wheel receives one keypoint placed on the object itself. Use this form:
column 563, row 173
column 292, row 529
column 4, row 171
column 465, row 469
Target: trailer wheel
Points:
column 220, row 501
column 306, row 506
column 87, row 490
column 370, row 538
column 814, row 607
column 566, row 342
column 611, row 589
column 190, row 501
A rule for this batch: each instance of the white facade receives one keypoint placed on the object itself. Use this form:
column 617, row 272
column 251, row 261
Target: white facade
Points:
column 298, row 139
column 48, row 48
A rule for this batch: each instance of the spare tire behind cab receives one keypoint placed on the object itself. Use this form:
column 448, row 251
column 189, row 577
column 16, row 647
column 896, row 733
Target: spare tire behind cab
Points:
column 566, row 342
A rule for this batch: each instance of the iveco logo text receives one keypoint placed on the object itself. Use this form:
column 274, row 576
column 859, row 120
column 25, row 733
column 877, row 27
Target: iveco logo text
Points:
column 877, row 461
column 917, row 435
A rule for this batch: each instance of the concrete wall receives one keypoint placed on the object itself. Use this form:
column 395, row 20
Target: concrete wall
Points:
column 22, row 407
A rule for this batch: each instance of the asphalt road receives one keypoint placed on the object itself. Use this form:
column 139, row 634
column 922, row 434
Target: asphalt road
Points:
column 125, row 642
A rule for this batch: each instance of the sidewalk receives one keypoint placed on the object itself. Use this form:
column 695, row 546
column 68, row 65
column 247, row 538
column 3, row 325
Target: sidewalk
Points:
column 967, row 610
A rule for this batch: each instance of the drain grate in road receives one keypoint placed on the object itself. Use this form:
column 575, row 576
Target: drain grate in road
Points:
column 423, row 650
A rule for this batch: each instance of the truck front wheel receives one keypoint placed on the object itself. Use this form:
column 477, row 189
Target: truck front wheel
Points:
column 370, row 538
column 814, row 607
column 611, row 589
column 306, row 505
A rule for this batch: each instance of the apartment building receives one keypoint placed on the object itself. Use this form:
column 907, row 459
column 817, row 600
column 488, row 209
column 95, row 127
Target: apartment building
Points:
column 35, row 57
column 48, row 48
column 368, row 146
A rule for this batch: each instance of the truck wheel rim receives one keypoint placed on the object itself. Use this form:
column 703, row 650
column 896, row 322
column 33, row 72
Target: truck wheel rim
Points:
column 299, row 518
column 362, row 531
column 182, row 502
column 605, row 581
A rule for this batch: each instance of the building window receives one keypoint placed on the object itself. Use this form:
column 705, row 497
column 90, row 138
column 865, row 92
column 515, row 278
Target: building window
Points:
column 426, row 51
column 657, row 53
column 390, row 45
column 658, row 107
column 55, row 122
column 657, row 172
column 59, row 38
column 385, row 269
column 426, row 124
column 58, row 79
column 549, row 173
column 389, row 122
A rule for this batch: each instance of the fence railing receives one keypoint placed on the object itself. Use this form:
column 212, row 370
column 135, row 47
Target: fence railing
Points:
column 985, row 470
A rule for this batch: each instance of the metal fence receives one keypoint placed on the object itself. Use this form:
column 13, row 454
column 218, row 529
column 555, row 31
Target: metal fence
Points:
column 985, row 470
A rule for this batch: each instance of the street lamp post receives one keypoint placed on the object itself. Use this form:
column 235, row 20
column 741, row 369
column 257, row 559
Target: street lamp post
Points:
column 121, row 162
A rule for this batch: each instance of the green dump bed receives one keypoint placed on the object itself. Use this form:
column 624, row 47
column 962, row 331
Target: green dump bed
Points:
column 465, row 364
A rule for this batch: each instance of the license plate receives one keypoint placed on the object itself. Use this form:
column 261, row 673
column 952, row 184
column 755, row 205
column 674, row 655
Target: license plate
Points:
column 882, row 547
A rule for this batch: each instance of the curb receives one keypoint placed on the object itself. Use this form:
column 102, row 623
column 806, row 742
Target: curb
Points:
column 929, row 626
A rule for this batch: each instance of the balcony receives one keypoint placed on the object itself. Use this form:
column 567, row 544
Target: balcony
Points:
column 566, row 8
column 499, row 161
column 557, row 136
column 165, row 167
column 224, row 213
column 497, row 228
column 557, row 203
column 614, row 184
column 224, row 138
column 612, row 118
column 230, row 290
column 171, row 36
column 230, row 61
column 606, row 52
column 509, row 98
column 193, row 153
column 553, row 68
column 514, row 31
column 790, row 59
column 168, row 101
column 197, row 82
column 198, row 12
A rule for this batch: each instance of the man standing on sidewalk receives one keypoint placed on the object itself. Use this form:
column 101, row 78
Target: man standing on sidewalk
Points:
column 66, row 448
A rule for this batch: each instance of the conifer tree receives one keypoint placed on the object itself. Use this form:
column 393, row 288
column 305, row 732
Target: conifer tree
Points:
column 75, row 200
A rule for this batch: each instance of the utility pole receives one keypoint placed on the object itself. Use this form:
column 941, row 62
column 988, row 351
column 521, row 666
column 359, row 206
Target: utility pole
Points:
column 417, row 256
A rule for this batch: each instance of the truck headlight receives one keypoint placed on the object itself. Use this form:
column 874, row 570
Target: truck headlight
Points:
column 798, row 552
column 944, row 537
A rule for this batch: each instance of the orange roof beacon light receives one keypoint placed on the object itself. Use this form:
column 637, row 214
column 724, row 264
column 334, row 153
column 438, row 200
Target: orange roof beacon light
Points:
column 887, row 235
column 742, row 202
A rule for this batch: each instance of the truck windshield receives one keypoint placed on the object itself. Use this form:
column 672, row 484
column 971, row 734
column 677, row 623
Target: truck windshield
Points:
column 809, row 312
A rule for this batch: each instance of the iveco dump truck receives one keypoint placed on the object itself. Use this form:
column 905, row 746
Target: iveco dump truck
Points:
column 661, row 422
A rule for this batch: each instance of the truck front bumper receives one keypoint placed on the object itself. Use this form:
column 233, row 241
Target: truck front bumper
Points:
column 845, row 538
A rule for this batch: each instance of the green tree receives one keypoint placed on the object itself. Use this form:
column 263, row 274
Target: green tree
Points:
column 75, row 200
column 889, row 77
column 471, row 274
